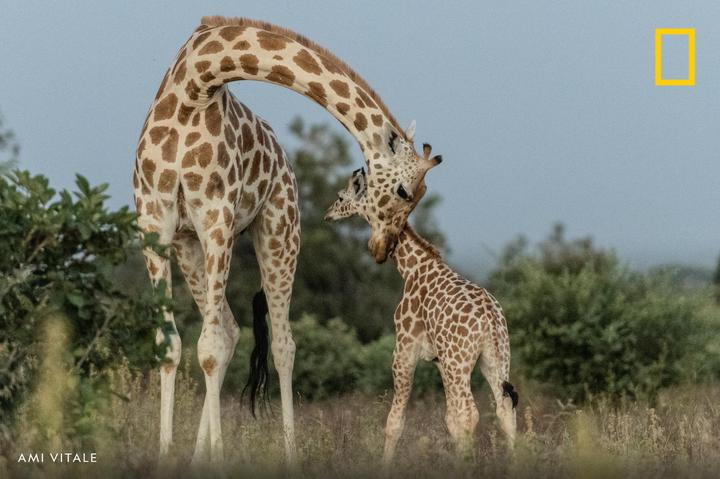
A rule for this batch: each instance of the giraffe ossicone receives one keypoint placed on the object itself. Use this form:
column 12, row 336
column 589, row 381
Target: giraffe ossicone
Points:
column 207, row 168
column 445, row 318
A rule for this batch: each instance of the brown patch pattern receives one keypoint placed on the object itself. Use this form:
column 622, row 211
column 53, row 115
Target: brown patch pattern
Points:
column 281, row 74
column 213, row 120
column 249, row 63
column 231, row 33
column 271, row 41
column 317, row 93
column 360, row 121
column 341, row 88
column 305, row 60
column 166, row 182
column 166, row 107
column 210, row 48
column 201, row 155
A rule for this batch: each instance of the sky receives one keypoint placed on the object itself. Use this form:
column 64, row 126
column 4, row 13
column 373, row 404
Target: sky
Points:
column 544, row 111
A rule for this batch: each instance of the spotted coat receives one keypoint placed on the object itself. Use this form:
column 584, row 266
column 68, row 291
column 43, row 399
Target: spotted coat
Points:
column 445, row 318
column 208, row 168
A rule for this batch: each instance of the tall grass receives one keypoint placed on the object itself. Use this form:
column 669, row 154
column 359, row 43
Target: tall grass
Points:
column 677, row 436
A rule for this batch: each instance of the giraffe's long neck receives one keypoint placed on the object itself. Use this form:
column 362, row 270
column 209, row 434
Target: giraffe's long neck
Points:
column 412, row 252
column 215, row 55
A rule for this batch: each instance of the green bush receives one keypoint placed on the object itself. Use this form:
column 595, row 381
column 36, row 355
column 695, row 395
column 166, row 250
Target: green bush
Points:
column 58, row 253
column 376, row 358
column 584, row 323
column 327, row 360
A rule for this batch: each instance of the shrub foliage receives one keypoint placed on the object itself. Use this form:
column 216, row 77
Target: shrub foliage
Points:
column 581, row 321
column 58, row 252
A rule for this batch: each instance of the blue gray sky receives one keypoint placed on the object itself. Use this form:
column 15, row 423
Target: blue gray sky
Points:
column 544, row 111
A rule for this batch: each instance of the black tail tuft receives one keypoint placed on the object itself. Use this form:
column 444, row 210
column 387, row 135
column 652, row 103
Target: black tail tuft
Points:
column 509, row 391
column 257, row 380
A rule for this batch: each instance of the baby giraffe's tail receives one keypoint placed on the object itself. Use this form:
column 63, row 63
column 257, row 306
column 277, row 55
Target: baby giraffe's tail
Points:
column 506, row 411
column 509, row 392
column 506, row 396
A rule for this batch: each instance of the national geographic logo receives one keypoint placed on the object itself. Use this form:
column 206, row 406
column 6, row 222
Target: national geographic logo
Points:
column 690, row 79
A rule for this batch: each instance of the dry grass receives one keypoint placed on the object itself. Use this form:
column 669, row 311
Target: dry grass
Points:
column 679, row 437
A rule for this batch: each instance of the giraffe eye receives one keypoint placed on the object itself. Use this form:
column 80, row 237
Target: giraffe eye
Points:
column 403, row 194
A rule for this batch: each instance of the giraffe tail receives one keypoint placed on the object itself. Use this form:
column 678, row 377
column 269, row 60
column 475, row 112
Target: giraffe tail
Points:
column 509, row 392
column 257, row 380
column 503, row 371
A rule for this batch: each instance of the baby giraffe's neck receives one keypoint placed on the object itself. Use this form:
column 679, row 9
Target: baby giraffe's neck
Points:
column 413, row 251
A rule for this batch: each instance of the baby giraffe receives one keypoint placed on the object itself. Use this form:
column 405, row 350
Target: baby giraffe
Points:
column 443, row 318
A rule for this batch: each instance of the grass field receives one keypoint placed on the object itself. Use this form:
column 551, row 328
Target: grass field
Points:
column 679, row 437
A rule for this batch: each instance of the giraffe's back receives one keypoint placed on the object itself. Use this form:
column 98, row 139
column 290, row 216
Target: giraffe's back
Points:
column 221, row 163
column 462, row 319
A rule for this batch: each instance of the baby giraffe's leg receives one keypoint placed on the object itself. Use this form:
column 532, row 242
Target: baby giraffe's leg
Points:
column 404, row 362
column 497, row 377
column 461, row 415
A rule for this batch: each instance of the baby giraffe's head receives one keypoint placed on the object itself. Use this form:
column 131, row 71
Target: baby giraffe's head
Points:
column 351, row 200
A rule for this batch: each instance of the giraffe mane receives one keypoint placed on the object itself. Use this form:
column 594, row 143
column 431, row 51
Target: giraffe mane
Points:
column 324, row 53
column 427, row 246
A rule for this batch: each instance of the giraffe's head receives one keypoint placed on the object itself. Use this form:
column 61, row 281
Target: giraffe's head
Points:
column 395, row 183
column 351, row 200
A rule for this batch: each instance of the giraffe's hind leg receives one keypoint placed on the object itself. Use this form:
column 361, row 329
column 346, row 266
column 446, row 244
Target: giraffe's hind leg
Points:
column 158, row 268
column 505, row 397
column 461, row 415
column 276, row 237
column 215, row 345
column 404, row 363
column 192, row 264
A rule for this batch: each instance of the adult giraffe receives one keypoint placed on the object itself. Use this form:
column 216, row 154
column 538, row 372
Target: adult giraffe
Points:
column 207, row 168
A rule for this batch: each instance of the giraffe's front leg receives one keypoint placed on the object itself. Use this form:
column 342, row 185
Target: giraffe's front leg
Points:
column 404, row 362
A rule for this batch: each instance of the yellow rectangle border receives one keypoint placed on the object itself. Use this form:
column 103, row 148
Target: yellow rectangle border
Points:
column 690, row 80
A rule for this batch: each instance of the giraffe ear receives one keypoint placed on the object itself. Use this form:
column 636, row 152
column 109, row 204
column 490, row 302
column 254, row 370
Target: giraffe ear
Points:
column 359, row 183
column 392, row 141
column 410, row 132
